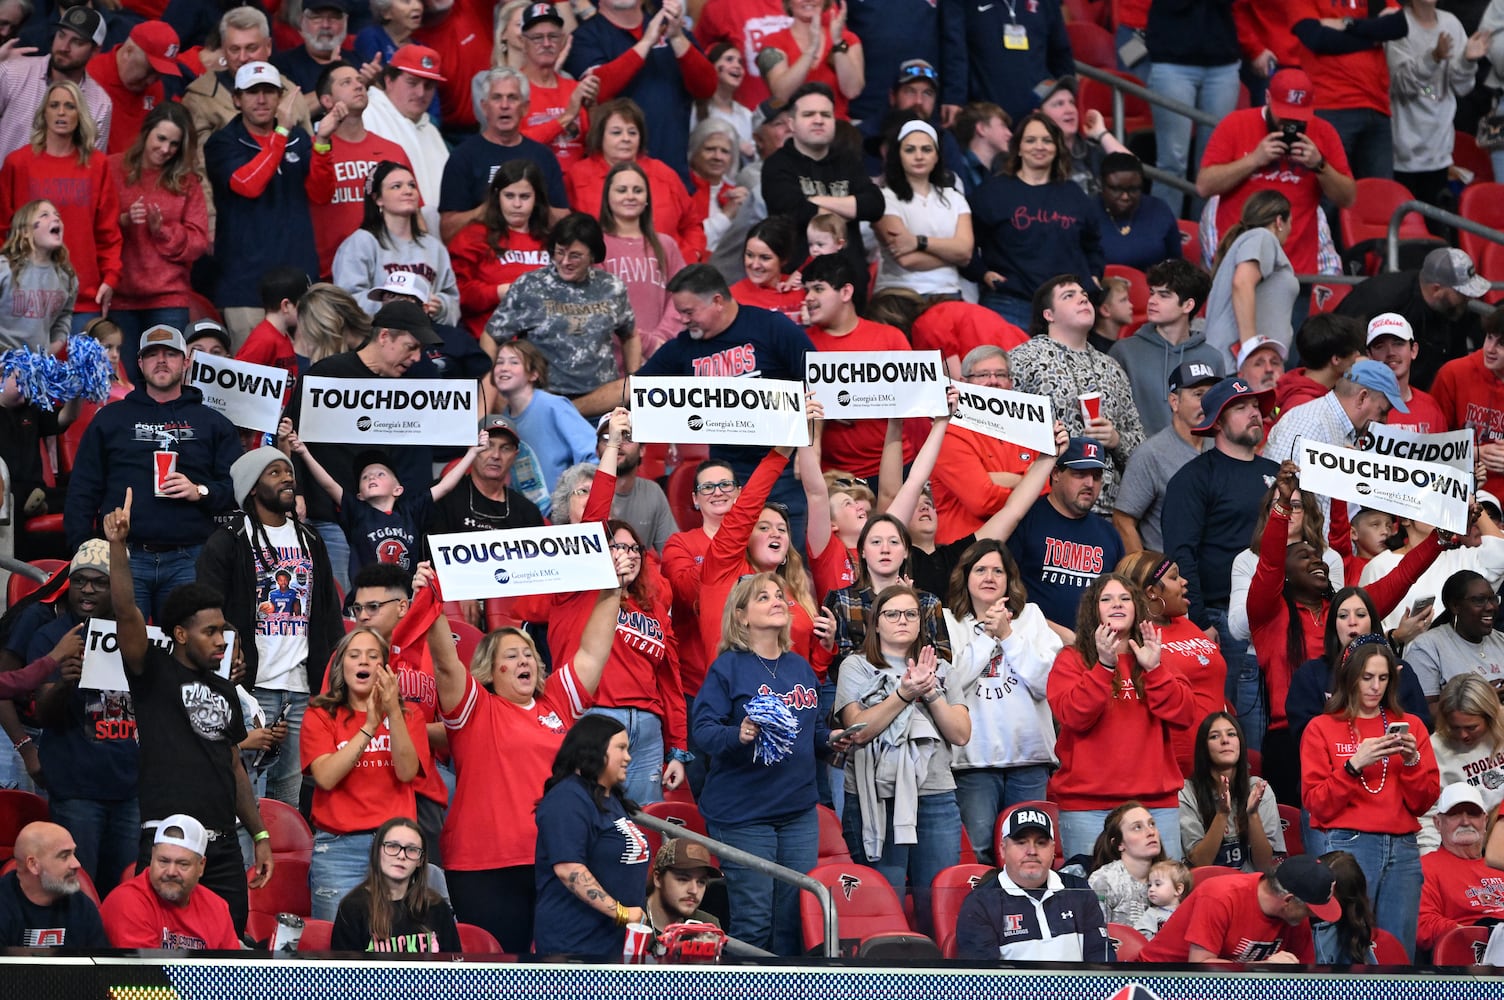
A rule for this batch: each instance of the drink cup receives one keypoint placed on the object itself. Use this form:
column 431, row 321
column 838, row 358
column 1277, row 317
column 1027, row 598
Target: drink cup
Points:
column 289, row 933
column 165, row 464
column 1091, row 406
column 638, row 944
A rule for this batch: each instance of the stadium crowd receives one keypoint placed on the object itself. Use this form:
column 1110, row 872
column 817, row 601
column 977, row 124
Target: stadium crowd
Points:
column 1102, row 688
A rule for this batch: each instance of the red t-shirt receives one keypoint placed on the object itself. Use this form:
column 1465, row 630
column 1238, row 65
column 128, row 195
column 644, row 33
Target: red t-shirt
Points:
column 1470, row 395
column 136, row 917
column 1223, row 916
column 747, row 24
column 478, row 270
column 350, row 163
column 491, row 824
column 856, row 446
column 130, row 107
column 463, row 41
column 965, row 496
column 832, row 569
column 267, row 345
column 1352, row 81
column 821, row 72
column 1236, row 137
column 788, row 303
column 544, row 105
column 954, row 328
column 370, row 794
column 1425, row 414
column 1456, row 892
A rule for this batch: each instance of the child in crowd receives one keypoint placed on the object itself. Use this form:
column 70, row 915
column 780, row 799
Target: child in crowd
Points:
column 1169, row 883
column 826, row 234
column 38, row 285
column 1371, row 530
column 386, row 524
column 1114, row 314
column 110, row 337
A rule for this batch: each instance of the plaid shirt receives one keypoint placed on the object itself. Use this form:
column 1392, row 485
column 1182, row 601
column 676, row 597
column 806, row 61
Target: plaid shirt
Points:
column 23, row 85
column 852, row 607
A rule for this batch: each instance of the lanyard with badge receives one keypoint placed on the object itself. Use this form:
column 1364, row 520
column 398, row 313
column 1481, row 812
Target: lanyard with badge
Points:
column 1015, row 38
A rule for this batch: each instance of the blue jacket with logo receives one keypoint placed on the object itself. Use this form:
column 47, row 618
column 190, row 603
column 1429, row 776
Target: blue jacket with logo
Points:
column 1061, row 923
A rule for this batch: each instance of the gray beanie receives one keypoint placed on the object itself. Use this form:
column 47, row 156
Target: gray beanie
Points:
column 249, row 467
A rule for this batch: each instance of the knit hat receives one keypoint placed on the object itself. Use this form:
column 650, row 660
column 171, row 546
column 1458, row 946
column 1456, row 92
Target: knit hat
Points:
column 249, row 467
column 93, row 554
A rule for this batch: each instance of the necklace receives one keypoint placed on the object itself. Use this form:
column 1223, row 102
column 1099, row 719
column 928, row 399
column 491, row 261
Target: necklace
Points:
column 771, row 668
column 1384, row 773
column 506, row 505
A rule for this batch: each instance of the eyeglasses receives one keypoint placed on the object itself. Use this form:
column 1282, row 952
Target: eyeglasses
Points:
column 993, row 375
column 900, row 615
column 393, row 849
column 721, row 486
column 545, row 37
column 580, row 491
column 1130, row 189
column 572, row 257
column 370, row 607
column 844, row 482
column 626, row 437
column 89, row 582
column 627, row 547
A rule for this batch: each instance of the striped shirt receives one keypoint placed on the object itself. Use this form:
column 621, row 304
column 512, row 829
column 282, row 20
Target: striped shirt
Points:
column 23, row 86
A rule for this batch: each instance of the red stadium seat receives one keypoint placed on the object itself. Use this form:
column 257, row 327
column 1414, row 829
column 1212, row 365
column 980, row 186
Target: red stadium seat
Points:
column 1138, row 289
column 1137, row 116
column 1092, row 44
column 1090, row 11
column 866, row 908
column 17, row 808
column 1387, row 949
column 1368, row 216
column 316, row 935
column 1255, row 758
column 1049, row 807
column 1466, row 154
column 1207, row 872
column 1483, row 203
column 291, row 837
column 682, row 814
column 1127, row 941
column 21, row 585
column 466, row 638
column 1325, row 298
column 681, row 794
column 287, row 892
column 477, row 940
column 86, row 884
column 260, row 928
column 681, row 498
column 654, row 463
column 1461, row 946
column 1190, row 241
column 833, row 847
column 1289, row 824
column 949, row 890
column 68, row 441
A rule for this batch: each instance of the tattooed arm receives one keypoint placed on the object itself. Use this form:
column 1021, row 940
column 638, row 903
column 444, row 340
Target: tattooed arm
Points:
column 578, row 880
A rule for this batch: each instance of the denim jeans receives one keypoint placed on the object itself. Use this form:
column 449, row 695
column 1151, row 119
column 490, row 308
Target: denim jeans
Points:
column 13, row 773
column 283, row 780
column 1368, row 138
column 134, row 322
column 912, row 867
column 1244, row 687
column 985, row 793
column 1391, row 864
column 764, row 911
column 645, row 743
column 1213, row 89
column 340, row 863
column 106, row 835
column 1079, row 829
column 157, row 574
column 338, row 547
column 1016, row 310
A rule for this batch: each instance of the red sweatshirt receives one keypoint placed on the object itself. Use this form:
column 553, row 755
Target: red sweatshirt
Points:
column 85, row 198
column 683, row 554
column 1472, row 396
column 1268, row 616
column 674, row 211
column 1199, row 661
column 478, row 270
column 155, row 266
column 1387, row 800
column 965, row 497
column 1114, row 746
column 337, row 189
column 1293, row 388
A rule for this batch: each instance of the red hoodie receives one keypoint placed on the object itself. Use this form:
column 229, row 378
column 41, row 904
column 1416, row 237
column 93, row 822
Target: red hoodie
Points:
column 1293, row 388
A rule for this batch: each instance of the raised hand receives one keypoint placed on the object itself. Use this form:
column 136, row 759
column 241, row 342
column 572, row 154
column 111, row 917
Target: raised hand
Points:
column 1109, row 646
column 117, row 523
column 1147, row 652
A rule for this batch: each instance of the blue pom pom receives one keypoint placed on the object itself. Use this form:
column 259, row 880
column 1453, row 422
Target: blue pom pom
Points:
column 33, row 375
column 777, row 729
column 89, row 374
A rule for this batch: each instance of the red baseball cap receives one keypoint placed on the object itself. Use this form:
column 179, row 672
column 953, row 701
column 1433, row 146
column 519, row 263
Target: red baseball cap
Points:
column 419, row 60
column 1292, row 95
column 160, row 43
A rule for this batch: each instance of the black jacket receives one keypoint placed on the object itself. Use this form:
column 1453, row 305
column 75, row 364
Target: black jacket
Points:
column 228, row 563
column 1440, row 339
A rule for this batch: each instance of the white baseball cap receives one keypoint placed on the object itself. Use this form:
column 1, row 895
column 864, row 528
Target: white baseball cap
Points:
column 1459, row 793
column 1258, row 344
column 191, row 833
column 1389, row 325
column 403, row 283
column 257, row 74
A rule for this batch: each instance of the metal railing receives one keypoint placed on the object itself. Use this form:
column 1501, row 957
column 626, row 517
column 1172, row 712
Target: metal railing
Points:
column 726, row 851
column 1392, row 239
column 1120, row 87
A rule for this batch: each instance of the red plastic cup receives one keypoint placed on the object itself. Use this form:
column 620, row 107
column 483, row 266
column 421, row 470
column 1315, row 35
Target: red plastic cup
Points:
column 638, row 945
column 166, row 463
column 1091, row 406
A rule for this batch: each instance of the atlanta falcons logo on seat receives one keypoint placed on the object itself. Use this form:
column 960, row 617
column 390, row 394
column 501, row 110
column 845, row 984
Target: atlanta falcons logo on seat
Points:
column 849, row 884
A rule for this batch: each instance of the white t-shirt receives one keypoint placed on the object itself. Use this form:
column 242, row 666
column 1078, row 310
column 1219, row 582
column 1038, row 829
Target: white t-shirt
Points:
column 1487, row 559
column 932, row 215
column 283, row 591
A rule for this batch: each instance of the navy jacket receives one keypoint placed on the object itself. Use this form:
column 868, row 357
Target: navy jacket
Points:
column 981, row 69
column 254, row 235
column 1001, row 921
column 116, row 452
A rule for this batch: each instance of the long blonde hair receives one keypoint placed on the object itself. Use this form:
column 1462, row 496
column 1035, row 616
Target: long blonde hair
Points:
column 84, row 135
column 19, row 244
column 325, row 313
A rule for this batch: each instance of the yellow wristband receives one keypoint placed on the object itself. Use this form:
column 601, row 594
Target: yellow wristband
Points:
column 623, row 917
column 322, row 147
column 283, row 131
column 263, row 835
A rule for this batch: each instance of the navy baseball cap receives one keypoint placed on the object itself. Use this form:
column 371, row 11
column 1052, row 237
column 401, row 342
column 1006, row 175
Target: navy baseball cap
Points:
column 1083, row 453
column 1224, row 392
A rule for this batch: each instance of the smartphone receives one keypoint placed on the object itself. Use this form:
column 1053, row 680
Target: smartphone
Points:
column 854, row 728
column 1424, row 604
column 1397, row 729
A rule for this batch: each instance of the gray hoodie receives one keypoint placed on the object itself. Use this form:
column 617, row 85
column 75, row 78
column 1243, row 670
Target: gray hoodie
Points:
column 1149, row 359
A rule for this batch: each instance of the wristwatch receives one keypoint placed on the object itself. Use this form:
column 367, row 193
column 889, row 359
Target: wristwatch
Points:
column 203, row 491
column 923, row 243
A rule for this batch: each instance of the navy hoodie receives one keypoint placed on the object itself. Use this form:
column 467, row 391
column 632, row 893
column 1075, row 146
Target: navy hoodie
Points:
column 116, row 452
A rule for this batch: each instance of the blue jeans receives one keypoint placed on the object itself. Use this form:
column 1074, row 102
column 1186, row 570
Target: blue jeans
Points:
column 106, row 835
column 1391, row 864
column 134, row 322
column 338, row 547
column 1079, row 829
column 1016, row 310
column 645, row 743
column 283, row 780
column 1244, row 687
column 1368, row 137
column 340, row 863
column 764, row 911
column 985, row 793
column 157, row 574
column 1213, row 89
column 13, row 773
column 912, row 867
